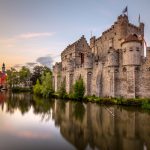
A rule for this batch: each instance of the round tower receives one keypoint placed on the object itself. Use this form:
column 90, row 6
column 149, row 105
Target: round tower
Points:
column 132, row 50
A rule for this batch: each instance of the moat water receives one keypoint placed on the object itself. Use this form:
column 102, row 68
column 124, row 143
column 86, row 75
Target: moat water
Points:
column 32, row 123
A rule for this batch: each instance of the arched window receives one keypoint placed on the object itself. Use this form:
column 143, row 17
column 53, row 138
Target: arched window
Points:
column 124, row 69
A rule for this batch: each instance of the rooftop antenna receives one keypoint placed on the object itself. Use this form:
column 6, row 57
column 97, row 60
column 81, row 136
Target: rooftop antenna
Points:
column 139, row 19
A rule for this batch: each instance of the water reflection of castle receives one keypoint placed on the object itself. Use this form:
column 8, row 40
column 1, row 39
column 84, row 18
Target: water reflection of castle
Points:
column 89, row 125
column 98, row 129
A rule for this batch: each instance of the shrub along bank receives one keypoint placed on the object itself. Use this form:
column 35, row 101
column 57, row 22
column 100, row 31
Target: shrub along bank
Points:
column 138, row 102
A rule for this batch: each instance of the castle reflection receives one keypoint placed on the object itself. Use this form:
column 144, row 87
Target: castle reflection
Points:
column 89, row 125
column 96, row 127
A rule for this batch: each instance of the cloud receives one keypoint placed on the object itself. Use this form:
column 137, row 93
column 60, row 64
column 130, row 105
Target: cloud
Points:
column 45, row 61
column 35, row 35
column 9, row 42
column 31, row 64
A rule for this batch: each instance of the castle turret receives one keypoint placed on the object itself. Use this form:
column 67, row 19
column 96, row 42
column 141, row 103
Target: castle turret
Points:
column 132, row 50
column 113, row 64
column 122, row 26
column 92, row 43
column 57, row 68
column 141, row 29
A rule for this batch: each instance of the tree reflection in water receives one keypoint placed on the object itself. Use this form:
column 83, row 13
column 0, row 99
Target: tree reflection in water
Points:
column 24, row 102
column 88, row 125
column 79, row 111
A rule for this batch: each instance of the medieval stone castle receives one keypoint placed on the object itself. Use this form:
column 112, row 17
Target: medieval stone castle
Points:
column 112, row 65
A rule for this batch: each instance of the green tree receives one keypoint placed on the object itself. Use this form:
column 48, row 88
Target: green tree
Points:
column 79, row 89
column 37, row 88
column 62, row 90
column 24, row 75
column 47, row 88
column 12, row 77
column 38, row 71
column 79, row 111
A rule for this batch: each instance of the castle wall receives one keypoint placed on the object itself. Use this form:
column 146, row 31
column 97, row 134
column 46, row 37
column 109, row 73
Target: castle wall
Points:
column 144, row 77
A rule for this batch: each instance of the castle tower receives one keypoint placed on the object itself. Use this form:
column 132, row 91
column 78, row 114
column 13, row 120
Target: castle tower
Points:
column 132, row 51
column 70, row 75
column 122, row 26
column 141, row 27
column 57, row 76
column 92, row 43
column 3, row 68
column 113, row 64
column 132, row 54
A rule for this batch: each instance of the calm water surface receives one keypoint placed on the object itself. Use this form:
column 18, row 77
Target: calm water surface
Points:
column 31, row 123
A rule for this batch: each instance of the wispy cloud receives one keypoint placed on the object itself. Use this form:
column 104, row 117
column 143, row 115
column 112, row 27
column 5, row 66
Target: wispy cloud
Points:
column 31, row 64
column 45, row 61
column 12, row 41
column 35, row 35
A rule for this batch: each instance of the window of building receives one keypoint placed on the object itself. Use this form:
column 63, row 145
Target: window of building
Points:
column 111, row 43
column 137, row 49
column 124, row 69
column 137, row 68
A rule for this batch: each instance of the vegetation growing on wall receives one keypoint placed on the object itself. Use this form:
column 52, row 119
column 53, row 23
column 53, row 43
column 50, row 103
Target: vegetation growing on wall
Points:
column 62, row 91
column 79, row 89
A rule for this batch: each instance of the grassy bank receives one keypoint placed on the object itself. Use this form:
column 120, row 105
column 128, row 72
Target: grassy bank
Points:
column 21, row 89
column 137, row 102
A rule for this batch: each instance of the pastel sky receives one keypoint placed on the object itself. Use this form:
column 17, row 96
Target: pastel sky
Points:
column 31, row 29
